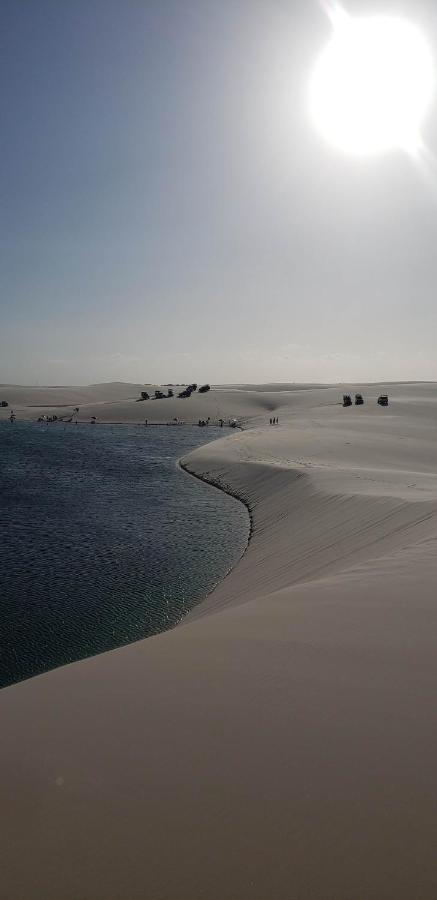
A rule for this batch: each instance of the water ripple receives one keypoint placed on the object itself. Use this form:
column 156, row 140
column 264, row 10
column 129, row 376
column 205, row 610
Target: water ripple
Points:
column 103, row 540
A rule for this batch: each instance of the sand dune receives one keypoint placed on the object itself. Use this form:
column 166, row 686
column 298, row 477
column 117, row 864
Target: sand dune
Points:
column 29, row 397
column 118, row 403
column 280, row 742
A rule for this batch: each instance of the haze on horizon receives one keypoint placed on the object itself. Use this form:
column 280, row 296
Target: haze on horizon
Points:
column 169, row 213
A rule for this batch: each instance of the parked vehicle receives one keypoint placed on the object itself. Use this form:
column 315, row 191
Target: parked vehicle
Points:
column 347, row 400
column 359, row 400
column 383, row 400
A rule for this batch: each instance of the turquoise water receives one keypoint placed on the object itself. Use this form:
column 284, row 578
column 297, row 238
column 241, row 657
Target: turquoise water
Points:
column 103, row 539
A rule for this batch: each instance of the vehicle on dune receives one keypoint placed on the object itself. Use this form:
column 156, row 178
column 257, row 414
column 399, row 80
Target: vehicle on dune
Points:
column 359, row 400
column 383, row 400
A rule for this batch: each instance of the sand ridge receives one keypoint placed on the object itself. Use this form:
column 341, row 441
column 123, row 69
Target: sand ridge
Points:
column 119, row 403
column 281, row 741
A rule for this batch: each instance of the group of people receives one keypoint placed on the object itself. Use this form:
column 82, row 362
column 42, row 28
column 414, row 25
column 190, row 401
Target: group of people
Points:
column 274, row 421
column 202, row 423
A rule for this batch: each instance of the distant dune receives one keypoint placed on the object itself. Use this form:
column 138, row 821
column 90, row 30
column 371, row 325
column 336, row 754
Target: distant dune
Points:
column 27, row 397
column 117, row 402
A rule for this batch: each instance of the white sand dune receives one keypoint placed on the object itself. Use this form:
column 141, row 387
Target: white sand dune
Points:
column 118, row 403
column 281, row 742
column 24, row 397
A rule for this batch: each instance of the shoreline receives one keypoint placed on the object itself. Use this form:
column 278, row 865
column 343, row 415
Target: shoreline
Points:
column 124, row 424
column 226, row 490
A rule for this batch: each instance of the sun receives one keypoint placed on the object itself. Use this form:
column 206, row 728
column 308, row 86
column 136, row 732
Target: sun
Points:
column 372, row 86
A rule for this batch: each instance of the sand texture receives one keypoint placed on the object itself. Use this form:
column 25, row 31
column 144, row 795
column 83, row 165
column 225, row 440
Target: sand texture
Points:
column 282, row 741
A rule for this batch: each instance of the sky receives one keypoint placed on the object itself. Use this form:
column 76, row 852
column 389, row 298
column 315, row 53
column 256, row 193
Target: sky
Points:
column 168, row 212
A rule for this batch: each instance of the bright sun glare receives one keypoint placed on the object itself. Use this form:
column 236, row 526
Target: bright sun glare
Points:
column 372, row 85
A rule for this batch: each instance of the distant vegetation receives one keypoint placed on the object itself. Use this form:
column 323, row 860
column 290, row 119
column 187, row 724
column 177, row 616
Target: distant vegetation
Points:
column 4, row 403
column 159, row 395
column 186, row 392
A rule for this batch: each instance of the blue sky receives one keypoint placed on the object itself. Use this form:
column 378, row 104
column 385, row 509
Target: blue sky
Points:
column 168, row 213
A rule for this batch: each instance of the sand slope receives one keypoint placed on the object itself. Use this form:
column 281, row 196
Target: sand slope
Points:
column 282, row 741
column 119, row 403
column 249, row 404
